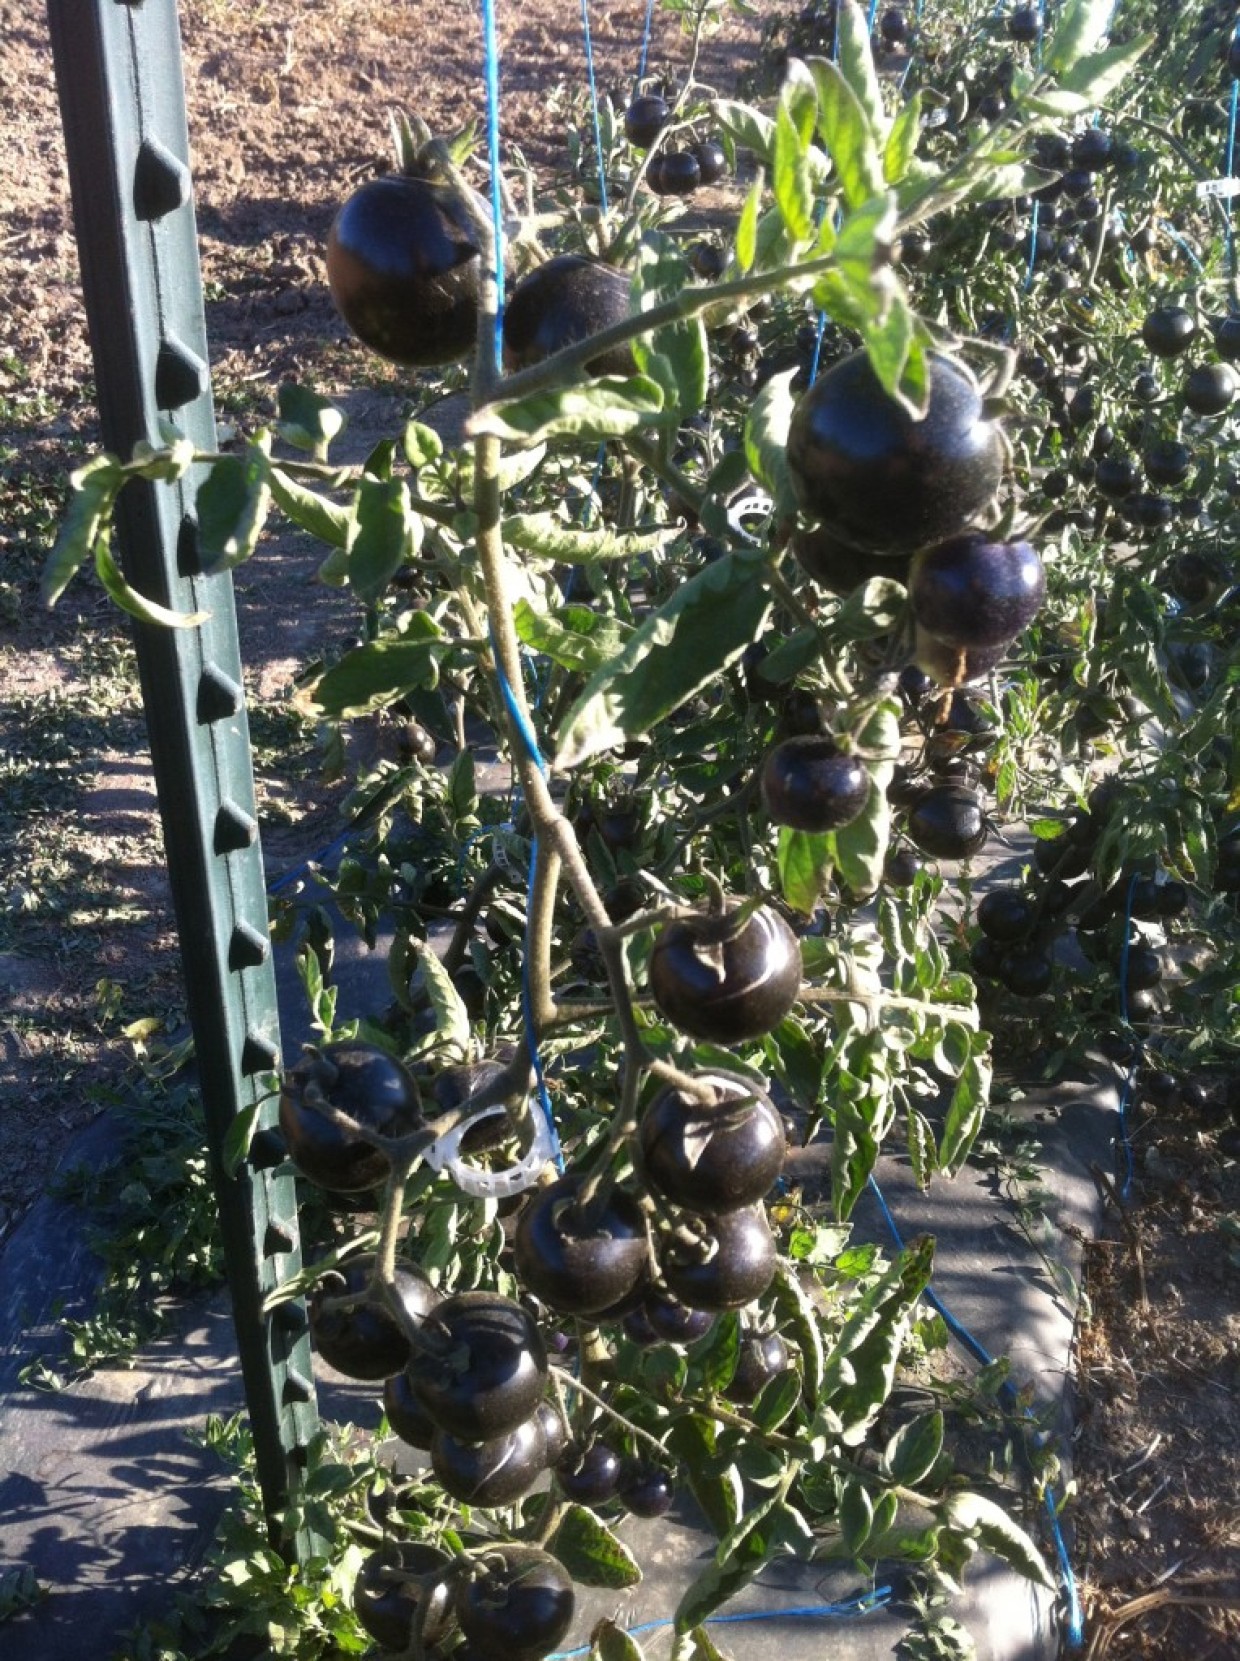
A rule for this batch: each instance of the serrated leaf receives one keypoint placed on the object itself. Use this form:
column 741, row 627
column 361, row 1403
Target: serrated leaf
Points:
column 849, row 139
column 898, row 357
column 719, row 1492
column 854, row 1154
column 794, row 194
column 902, row 140
column 546, row 534
column 798, row 1318
column 912, row 1453
column 308, row 421
column 128, row 599
column 705, row 625
column 451, row 1034
column 327, row 520
column 1098, row 74
column 608, row 407
column 804, row 860
column 386, row 535
column 577, row 639
column 94, row 487
column 718, row 1353
column 981, row 1519
column 861, row 1367
column 232, row 505
column 922, row 1154
column 609, row 1642
column 675, row 357
column 702, row 1647
column 371, row 675
column 747, row 227
column 1079, row 31
column 965, row 1113
column 856, row 61
column 777, row 1401
column 740, row 1554
column 766, row 440
column 591, row 1552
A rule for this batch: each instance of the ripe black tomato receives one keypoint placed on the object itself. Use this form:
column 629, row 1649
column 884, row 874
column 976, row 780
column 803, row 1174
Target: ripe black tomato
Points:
column 809, row 784
column 970, row 592
column 838, row 566
column 1005, row 914
column 661, row 1319
column 947, row 822
column 680, row 173
column 388, row 1604
column 562, row 302
column 763, row 1356
column 491, row 1373
column 712, row 1156
column 646, row 1490
column 711, row 159
column 403, row 266
column 372, row 1087
column 580, row 1261
column 1210, row 388
column 518, row 1606
column 588, row 1472
column 365, row 1340
column 724, row 980
column 1144, row 968
column 1167, row 331
column 645, row 119
column 493, row 1472
column 1026, row 972
column 862, row 464
column 405, row 1413
column 735, row 1265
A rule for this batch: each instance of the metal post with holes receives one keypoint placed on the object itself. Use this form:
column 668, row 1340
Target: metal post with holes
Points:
column 122, row 96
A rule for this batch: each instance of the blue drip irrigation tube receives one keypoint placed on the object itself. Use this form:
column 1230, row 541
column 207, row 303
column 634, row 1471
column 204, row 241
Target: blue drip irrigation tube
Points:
column 865, row 1604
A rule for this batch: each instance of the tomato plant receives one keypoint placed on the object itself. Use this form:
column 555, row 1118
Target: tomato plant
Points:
column 759, row 568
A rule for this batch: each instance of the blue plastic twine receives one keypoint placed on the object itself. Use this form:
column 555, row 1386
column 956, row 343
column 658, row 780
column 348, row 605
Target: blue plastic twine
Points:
column 1067, row 1579
column 490, row 68
column 598, row 131
column 1229, row 162
column 645, row 49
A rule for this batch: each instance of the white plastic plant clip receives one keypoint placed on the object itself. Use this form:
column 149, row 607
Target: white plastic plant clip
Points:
column 445, row 1155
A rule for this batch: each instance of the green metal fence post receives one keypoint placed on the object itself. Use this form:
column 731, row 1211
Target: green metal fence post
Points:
column 118, row 69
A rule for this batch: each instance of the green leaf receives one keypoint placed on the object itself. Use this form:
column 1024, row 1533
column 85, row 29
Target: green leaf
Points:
column 766, row 440
column 373, row 674
column 897, row 356
column 922, row 1154
column 797, row 1314
column 94, row 489
column 307, row 421
column 805, row 860
column 325, row 519
column 741, row 1553
column 965, row 1113
column 547, row 534
column 386, row 536
column 702, row 1647
column 608, row 407
column 856, row 60
column 860, row 848
column 747, row 227
column 719, row 1491
column 850, row 140
column 591, row 1552
column 718, row 1353
column 1098, row 74
column 451, row 1034
column 862, row 246
column 913, row 1451
column 609, row 1642
column 705, row 625
column 1079, row 32
column 987, row 1523
column 856, row 1516
column 128, row 599
column 776, row 1401
column 902, row 141
column 238, row 1137
column 577, row 638
column 232, row 505
column 794, row 193
column 675, row 357
column 421, row 444
column 854, row 1153
column 861, row 1367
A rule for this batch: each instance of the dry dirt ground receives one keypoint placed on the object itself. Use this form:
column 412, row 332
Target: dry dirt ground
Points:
column 288, row 105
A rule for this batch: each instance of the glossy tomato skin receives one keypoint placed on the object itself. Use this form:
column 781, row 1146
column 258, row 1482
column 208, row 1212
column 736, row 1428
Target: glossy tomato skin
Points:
column 404, row 269
column 974, row 593
column 388, row 1605
column 948, row 822
column 810, row 785
column 580, row 1261
column 495, row 1472
column 504, row 1373
column 715, row 1156
column 562, row 302
column 723, row 982
column 405, row 1413
column 365, row 1341
column 740, row 1267
column 361, row 1080
column 862, row 465
column 518, row 1606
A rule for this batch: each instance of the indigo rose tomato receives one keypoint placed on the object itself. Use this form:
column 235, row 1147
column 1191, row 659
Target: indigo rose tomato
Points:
column 372, row 1087
column 365, row 1340
column 487, row 1372
column 712, row 1156
column 734, row 1265
column 564, row 301
column 809, row 784
column 723, row 979
column 392, row 1606
column 580, row 1259
column 404, row 269
column 517, row 1606
column 877, row 477
column 973, row 593
column 948, row 822
column 493, row 1472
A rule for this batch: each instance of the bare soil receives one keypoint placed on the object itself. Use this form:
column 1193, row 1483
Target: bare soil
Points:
column 288, row 103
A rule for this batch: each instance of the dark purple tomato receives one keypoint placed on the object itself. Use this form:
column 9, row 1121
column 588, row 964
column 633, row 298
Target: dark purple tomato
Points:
column 1144, row 968
column 838, row 566
column 948, row 822
column 580, row 1260
column 405, row 1413
column 1005, row 914
column 403, row 266
column 1116, row 477
column 372, row 1087
column 554, row 1429
column 956, row 666
column 986, row 957
column 645, row 119
column 517, row 1606
column 712, row 1156
column 672, row 1322
column 646, row 1490
column 564, row 301
column 680, row 173
column 711, row 159
column 726, row 980
column 900, row 867
column 588, row 1472
column 495, row 1472
column 809, row 784
column 1168, row 330
column 490, row 1373
column 392, row 1605
column 1167, row 461
column 1227, row 337
column 1026, row 972
column 735, row 1265
column 860, row 462
column 763, row 1356
column 365, row 1340
column 1210, row 388
column 1024, row 25
column 970, row 592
